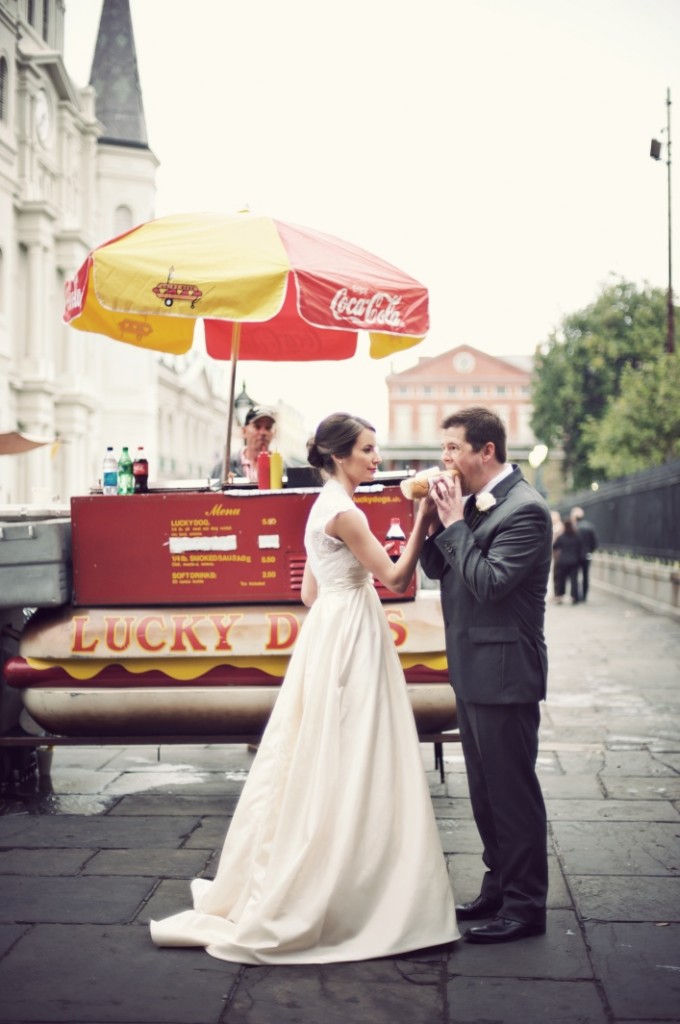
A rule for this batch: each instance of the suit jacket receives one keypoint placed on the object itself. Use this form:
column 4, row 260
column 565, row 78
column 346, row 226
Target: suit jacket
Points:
column 494, row 577
column 588, row 535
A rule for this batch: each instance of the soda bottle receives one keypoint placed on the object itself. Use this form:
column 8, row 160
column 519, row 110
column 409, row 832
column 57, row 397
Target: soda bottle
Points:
column 126, row 483
column 109, row 473
column 396, row 539
column 140, row 471
column 263, row 471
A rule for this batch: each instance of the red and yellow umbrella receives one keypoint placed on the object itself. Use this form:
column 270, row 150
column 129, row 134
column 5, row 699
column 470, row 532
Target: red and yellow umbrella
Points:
column 264, row 289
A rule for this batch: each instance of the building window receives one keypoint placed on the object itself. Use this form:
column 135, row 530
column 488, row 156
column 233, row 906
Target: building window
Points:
column 402, row 423
column 427, row 389
column 46, row 20
column 505, row 413
column 403, row 389
column 477, row 389
column 4, row 87
column 501, row 389
column 122, row 220
column 30, row 12
column 428, row 424
column 452, row 389
column 524, row 427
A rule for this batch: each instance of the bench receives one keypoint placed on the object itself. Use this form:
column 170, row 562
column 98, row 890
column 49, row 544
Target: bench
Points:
column 25, row 740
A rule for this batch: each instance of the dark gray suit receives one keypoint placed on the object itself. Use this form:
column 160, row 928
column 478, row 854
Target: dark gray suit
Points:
column 493, row 574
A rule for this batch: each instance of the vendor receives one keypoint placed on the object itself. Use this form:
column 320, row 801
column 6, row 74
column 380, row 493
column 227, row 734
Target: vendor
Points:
column 258, row 434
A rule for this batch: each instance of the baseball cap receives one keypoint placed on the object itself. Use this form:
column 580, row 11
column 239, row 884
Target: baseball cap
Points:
column 260, row 412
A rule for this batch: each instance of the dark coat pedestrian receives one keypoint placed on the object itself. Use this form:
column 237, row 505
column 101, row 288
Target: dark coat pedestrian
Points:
column 589, row 544
column 568, row 550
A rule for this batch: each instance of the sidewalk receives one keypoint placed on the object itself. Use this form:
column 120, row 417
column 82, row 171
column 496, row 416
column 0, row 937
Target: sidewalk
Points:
column 84, row 867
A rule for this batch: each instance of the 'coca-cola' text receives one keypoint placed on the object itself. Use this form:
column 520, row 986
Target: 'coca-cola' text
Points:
column 379, row 309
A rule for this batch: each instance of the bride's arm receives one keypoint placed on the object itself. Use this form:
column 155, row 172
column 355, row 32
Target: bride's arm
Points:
column 352, row 529
column 309, row 588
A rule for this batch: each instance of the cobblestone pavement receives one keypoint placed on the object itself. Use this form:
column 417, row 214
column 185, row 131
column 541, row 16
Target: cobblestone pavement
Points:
column 114, row 835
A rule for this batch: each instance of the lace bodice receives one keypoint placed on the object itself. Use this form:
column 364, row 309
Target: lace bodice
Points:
column 331, row 561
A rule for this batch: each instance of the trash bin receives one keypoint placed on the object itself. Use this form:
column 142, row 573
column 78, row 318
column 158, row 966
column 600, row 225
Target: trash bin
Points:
column 35, row 572
column 17, row 764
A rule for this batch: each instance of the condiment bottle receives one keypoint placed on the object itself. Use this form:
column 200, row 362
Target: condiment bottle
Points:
column 263, row 471
column 276, row 471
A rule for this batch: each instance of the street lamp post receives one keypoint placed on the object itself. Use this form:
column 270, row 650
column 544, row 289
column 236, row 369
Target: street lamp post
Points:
column 655, row 153
column 242, row 406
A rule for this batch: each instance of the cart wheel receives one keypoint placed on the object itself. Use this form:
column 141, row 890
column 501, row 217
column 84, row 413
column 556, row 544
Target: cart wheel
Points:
column 168, row 302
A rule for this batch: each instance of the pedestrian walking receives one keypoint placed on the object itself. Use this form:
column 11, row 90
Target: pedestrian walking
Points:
column 589, row 544
column 558, row 529
column 568, row 551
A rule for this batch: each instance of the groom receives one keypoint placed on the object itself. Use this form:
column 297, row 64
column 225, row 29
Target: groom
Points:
column 492, row 555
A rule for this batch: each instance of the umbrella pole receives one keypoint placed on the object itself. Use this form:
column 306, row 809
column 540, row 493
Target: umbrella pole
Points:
column 235, row 344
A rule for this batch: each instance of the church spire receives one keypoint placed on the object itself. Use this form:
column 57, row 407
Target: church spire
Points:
column 115, row 78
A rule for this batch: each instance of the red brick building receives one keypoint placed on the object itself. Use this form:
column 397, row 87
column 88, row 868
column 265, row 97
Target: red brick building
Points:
column 420, row 398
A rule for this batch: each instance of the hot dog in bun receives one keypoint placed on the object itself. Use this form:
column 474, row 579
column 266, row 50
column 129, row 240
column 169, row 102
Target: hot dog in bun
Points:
column 418, row 486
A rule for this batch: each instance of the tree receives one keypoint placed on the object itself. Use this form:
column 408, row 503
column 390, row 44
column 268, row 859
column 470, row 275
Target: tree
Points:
column 641, row 427
column 579, row 369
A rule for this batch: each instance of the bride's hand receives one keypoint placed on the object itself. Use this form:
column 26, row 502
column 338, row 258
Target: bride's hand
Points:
column 426, row 511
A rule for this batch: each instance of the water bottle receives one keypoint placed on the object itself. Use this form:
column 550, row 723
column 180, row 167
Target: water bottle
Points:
column 140, row 471
column 395, row 539
column 126, row 482
column 109, row 473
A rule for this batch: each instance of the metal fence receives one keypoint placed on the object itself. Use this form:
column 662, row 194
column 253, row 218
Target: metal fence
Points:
column 637, row 514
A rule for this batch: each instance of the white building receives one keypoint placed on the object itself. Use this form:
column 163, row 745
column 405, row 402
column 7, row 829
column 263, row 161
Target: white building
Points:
column 76, row 169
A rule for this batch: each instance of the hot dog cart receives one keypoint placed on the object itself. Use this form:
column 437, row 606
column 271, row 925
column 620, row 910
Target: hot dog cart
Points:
column 176, row 613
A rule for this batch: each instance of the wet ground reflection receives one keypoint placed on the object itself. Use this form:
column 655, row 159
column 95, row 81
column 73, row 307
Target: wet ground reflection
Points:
column 85, row 791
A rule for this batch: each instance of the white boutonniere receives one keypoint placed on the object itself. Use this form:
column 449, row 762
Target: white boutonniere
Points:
column 485, row 501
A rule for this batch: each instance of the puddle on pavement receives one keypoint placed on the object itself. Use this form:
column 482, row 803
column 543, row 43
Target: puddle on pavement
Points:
column 156, row 777
column 52, row 803
column 38, row 795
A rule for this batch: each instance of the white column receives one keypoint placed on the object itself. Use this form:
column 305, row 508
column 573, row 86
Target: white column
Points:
column 35, row 306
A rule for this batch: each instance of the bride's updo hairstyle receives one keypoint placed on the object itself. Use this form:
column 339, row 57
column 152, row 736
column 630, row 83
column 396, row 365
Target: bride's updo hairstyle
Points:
column 336, row 435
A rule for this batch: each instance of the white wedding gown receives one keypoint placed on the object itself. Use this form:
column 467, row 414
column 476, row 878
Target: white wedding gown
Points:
column 333, row 852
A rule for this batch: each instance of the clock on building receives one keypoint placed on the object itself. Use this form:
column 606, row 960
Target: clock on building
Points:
column 43, row 118
column 464, row 362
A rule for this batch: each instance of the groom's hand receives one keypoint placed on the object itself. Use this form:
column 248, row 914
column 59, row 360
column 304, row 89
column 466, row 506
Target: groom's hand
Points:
column 448, row 497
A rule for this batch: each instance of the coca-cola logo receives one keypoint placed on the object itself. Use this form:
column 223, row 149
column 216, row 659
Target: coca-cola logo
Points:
column 74, row 296
column 379, row 309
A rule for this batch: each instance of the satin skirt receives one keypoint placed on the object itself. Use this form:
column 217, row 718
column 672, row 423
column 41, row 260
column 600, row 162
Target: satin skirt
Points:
column 333, row 852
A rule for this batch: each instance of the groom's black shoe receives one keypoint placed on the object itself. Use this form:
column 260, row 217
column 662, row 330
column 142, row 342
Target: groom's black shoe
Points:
column 483, row 906
column 502, row 929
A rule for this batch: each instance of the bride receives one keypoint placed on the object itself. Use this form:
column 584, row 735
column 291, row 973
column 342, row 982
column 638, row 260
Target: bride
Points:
column 333, row 852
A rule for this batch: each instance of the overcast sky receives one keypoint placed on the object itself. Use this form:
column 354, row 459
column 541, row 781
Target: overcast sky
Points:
column 496, row 150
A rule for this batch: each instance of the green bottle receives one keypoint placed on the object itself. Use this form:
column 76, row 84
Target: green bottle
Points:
column 126, row 480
